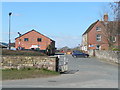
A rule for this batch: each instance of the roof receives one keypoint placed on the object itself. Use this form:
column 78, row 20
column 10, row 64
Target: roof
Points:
column 102, row 22
column 3, row 44
column 90, row 27
column 35, row 31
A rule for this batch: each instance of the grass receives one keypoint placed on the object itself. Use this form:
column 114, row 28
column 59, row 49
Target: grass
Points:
column 12, row 74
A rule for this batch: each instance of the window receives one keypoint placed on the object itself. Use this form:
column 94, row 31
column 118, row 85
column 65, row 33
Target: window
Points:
column 113, row 38
column 39, row 39
column 98, row 37
column 98, row 47
column 98, row 29
column 25, row 39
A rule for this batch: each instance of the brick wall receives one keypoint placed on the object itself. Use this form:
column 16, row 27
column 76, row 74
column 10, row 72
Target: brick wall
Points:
column 92, row 37
column 32, row 36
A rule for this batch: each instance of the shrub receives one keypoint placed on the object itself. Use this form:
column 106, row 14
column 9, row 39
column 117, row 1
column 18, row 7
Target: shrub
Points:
column 23, row 53
column 116, row 49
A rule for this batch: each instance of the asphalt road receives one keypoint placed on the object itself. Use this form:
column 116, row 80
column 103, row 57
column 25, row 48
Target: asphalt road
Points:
column 82, row 73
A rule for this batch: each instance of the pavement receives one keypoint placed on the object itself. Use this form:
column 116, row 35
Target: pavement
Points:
column 82, row 73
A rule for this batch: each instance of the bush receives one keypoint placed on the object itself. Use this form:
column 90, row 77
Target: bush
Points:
column 23, row 53
column 115, row 49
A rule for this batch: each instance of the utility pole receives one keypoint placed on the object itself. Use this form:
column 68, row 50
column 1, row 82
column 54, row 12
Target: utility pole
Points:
column 9, row 28
column 119, row 11
column 118, row 24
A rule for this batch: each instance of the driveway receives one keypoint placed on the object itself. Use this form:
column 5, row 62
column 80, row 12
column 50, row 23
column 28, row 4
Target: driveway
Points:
column 82, row 73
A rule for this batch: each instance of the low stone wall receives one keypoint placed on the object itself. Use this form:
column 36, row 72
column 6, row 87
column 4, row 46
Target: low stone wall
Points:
column 91, row 52
column 111, row 56
column 18, row 62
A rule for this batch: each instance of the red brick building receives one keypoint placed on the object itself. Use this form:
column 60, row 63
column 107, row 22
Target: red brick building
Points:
column 35, row 41
column 94, row 37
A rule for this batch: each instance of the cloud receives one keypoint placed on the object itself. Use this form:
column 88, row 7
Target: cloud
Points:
column 16, row 14
column 70, row 41
column 61, row 40
column 7, row 33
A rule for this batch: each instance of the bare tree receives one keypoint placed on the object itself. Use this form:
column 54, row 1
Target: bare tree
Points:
column 115, row 7
column 110, row 32
column 112, row 27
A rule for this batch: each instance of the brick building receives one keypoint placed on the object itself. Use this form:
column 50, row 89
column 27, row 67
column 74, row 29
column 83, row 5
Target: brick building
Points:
column 94, row 37
column 35, row 41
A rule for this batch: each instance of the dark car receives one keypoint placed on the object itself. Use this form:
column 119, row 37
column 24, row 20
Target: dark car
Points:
column 79, row 54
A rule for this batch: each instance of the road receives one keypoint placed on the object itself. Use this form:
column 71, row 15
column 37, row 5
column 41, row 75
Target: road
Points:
column 83, row 73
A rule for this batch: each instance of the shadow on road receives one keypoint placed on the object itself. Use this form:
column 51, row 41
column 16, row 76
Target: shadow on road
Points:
column 70, row 72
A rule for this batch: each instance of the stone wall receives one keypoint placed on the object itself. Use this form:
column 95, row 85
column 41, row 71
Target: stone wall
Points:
column 111, row 56
column 91, row 52
column 18, row 62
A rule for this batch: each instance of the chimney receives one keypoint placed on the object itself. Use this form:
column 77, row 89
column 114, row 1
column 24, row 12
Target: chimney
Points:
column 105, row 17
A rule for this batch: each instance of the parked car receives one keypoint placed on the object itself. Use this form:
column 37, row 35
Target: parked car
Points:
column 79, row 54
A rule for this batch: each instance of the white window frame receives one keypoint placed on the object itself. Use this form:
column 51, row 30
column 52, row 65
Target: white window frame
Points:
column 98, row 37
column 113, row 39
column 98, row 28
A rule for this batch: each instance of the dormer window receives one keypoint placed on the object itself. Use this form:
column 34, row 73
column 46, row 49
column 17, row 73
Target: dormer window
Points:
column 98, row 29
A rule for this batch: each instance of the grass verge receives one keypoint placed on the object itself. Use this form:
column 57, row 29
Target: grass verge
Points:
column 12, row 74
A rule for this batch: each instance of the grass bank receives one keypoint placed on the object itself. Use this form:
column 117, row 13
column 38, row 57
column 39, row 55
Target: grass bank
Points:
column 12, row 74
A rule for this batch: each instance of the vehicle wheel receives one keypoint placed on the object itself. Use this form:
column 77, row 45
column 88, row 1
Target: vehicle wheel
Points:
column 86, row 56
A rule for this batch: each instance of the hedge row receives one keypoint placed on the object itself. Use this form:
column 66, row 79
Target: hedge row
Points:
column 22, row 53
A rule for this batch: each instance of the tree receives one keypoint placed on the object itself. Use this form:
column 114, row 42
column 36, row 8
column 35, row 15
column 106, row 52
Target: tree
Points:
column 64, row 48
column 112, row 27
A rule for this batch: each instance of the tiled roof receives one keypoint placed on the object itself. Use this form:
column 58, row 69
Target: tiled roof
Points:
column 35, row 31
column 90, row 27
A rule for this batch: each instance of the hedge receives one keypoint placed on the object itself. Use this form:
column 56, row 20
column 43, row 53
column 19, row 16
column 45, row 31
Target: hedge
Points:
column 23, row 53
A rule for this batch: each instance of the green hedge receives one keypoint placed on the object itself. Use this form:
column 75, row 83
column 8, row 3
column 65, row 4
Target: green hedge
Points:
column 116, row 49
column 22, row 53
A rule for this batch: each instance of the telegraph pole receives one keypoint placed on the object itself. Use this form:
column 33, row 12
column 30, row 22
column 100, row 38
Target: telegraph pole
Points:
column 119, row 11
column 9, row 28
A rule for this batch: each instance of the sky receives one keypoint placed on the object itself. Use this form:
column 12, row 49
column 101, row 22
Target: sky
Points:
column 64, row 22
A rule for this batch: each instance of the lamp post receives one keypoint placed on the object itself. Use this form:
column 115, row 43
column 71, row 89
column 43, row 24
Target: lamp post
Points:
column 9, row 27
column 119, row 11
column 19, row 41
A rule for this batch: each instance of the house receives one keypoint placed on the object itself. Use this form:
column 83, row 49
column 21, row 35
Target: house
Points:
column 3, row 45
column 96, row 36
column 12, row 46
column 34, row 40
column 6, row 46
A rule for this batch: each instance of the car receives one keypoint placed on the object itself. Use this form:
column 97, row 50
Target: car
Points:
column 79, row 54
